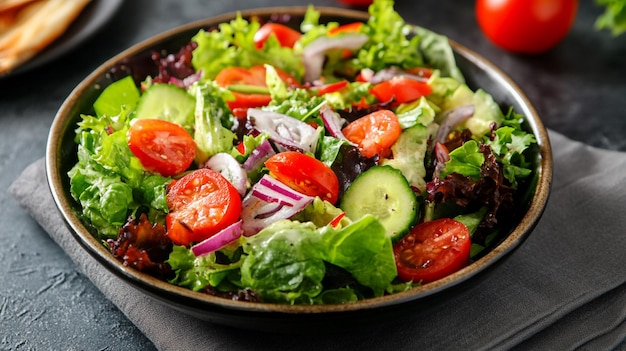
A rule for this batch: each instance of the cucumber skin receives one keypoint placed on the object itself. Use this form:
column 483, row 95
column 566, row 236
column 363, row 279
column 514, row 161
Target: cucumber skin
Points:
column 377, row 178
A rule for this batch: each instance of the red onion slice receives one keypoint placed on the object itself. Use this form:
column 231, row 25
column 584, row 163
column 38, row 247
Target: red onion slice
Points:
column 451, row 118
column 219, row 240
column 272, row 184
column 313, row 55
column 286, row 132
column 270, row 201
column 332, row 121
column 258, row 156
column 228, row 166
column 392, row 72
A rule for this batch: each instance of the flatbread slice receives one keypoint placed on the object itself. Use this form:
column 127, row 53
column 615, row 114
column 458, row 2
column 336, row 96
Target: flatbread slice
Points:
column 32, row 27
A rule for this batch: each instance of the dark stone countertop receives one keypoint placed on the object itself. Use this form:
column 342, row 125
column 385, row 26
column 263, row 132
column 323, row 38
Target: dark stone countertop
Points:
column 45, row 302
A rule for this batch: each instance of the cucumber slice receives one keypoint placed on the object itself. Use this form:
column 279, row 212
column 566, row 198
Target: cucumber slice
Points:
column 383, row 192
column 168, row 102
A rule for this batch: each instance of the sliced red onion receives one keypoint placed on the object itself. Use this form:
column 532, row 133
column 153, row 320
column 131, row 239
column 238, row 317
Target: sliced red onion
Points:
column 187, row 81
column 228, row 166
column 270, row 201
column 332, row 121
column 280, row 188
column 392, row 72
column 219, row 240
column 258, row 156
column 442, row 155
column 286, row 132
column 313, row 55
column 451, row 118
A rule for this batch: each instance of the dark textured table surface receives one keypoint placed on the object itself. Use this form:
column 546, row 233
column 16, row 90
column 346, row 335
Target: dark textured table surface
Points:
column 578, row 89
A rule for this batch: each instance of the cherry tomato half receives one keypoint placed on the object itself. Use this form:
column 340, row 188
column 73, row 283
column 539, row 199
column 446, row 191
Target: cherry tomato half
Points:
column 526, row 26
column 353, row 27
column 201, row 204
column 374, row 133
column 161, row 146
column 285, row 35
column 305, row 174
column 401, row 89
column 432, row 250
column 254, row 76
column 331, row 87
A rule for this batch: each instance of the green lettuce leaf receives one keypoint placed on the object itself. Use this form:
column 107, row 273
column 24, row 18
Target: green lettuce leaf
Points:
column 285, row 261
column 409, row 153
column 614, row 16
column 211, row 118
column 232, row 44
column 198, row 272
column 108, row 181
column 465, row 160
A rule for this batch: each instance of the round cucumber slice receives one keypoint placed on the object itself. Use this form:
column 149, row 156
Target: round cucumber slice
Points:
column 383, row 192
column 168, row 102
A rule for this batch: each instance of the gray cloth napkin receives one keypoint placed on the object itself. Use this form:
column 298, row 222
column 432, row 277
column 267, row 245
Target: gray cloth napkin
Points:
column 564, row 288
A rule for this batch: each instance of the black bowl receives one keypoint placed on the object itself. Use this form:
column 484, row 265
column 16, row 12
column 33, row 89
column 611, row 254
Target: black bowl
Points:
column 61, row 156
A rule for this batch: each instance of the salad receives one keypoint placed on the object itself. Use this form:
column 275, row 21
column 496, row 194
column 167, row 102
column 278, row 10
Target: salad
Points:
column 324, row 165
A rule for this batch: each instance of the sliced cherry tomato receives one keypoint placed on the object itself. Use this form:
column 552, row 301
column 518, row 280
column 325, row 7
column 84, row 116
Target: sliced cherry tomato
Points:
column 433, row 250
column 286, row 36
column 161, row 146
column 401, row 89
column 423, row 72
column 254, row 76
column 332, row 87
column 305, row 174
column 241, row 148
column 526, row 26
column 201, row 204
column 337, row 220
column 374, row 133
column 353, row 27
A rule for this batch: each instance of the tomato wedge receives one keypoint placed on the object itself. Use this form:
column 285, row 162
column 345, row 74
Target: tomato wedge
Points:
column 401, row 89
column 201, row 204
column 374, row 133
column 286, row 36
column 161, row 146
column 331, row 87
column 433, row 250
column 254, row 76
column 353, row 27
column 304, row 174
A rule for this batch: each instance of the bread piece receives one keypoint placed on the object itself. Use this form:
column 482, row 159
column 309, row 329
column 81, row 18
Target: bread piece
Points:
column 28, row 28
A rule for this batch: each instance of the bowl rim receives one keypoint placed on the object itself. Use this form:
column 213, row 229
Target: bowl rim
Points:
column 181, row 298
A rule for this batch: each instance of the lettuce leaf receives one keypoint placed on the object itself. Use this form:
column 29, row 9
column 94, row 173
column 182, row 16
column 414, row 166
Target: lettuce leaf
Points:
column 508, row 144
column 285, row 261
column 198, row 272
column 409, row 153
column 108, row 181
column 232, row 44
column 614, row 16
column 211, row 118
column 465, row 160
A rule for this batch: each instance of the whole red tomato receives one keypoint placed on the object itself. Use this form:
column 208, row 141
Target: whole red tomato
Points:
column 526, row 26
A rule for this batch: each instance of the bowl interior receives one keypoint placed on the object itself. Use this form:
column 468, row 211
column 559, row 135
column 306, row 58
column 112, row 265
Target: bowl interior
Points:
column 61, row 156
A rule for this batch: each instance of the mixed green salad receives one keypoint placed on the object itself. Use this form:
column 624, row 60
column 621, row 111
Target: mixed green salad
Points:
column 319, row 165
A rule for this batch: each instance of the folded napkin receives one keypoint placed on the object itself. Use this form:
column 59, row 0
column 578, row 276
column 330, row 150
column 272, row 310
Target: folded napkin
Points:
column 564, row 288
